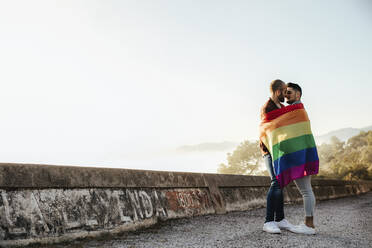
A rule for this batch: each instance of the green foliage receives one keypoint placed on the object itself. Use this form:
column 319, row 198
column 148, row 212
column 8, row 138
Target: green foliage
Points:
column 351, row 160
column 244, row 160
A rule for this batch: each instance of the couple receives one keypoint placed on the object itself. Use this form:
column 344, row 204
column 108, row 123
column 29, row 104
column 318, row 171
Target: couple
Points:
column 290, row 154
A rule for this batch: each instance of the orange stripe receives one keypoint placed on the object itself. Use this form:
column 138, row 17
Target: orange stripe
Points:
column 283, row 120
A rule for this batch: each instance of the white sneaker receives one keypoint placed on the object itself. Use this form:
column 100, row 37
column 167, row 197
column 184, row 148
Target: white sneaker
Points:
column 303, row 229
column 271, row 227
column 284, row 224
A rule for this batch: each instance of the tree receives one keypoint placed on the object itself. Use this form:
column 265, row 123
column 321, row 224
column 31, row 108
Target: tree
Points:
column 351, row 160
column 328, row 157
column 244, row 160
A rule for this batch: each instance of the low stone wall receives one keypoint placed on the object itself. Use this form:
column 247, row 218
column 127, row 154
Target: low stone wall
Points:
column 47, row 204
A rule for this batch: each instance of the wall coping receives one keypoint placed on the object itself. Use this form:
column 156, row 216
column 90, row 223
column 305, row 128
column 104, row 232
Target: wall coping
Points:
column 14, row 175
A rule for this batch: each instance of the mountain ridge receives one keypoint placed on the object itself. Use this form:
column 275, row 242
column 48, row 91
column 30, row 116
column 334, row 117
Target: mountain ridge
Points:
column 342, row 134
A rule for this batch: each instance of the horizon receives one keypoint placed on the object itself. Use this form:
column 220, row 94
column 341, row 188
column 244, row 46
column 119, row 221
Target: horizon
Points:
column 123, row 83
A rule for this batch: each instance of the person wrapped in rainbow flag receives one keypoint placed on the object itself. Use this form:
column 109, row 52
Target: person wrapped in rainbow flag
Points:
column 290, row 154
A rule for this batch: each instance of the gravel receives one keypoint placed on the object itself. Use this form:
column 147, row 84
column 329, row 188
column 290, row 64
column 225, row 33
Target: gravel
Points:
column 345, row 222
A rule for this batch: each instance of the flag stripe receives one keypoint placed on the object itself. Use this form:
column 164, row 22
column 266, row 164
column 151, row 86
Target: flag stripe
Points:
column 293, row 145
column 295, row 159
column 278, row 112
column 293, row 173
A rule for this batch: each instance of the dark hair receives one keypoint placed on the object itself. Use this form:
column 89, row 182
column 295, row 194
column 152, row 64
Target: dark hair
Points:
column 296, row 87
column 275, row 85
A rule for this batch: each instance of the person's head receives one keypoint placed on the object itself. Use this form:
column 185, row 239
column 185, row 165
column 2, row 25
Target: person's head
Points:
column 293, row 93
column 277, row 90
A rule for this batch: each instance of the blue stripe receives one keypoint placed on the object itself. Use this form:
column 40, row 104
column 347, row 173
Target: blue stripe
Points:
column 294, row 159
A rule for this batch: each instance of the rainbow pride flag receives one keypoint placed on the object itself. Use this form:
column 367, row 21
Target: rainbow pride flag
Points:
column 286, row 133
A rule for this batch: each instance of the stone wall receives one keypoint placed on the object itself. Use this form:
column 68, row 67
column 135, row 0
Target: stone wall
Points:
column 47, row 204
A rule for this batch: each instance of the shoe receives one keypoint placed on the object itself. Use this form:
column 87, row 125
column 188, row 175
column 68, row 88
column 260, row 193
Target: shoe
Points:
column 284, row 224
column 303, row 229
column 271, row 227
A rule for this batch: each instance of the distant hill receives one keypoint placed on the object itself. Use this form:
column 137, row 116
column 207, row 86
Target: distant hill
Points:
column 366, row 129
column 209, row 147
column 342, row 134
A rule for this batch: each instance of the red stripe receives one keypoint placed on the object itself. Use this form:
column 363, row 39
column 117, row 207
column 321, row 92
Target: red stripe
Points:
column 278, row 112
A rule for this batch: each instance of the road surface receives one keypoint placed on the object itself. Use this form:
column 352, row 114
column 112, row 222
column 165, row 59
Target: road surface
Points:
column 345, row 222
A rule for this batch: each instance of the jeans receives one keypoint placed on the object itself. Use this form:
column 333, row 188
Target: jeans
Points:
column 304, row 186
column 274, row 203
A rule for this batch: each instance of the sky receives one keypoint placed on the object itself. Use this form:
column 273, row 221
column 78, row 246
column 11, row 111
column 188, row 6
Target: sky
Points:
column 124, row 83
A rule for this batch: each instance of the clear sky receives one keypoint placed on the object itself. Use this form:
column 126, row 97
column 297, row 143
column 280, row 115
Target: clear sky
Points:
column 103, row 81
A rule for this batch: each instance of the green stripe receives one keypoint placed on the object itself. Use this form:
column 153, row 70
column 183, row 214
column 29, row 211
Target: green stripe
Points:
column 293, row 145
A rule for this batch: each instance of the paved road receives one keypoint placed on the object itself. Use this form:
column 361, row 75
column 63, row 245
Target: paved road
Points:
column 340, row 223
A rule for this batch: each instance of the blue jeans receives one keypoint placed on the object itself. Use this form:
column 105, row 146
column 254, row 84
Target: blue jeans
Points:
column 274, row 203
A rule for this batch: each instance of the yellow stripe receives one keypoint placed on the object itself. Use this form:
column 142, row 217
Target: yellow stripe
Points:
column 288, row 132
column 267, row 143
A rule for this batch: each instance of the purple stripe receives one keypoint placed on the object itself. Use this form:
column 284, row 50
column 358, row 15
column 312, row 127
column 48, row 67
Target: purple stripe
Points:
column 309, row 168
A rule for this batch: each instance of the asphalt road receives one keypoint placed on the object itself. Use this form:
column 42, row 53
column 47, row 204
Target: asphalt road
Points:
column 345, row 222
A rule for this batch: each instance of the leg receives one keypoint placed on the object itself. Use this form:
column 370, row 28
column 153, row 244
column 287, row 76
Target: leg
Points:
column 304, row 186
column 279, row 208
column 274, row 203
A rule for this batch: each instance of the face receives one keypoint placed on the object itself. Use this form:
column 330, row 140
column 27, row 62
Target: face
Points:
column 290, row 95
column 282, row 93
